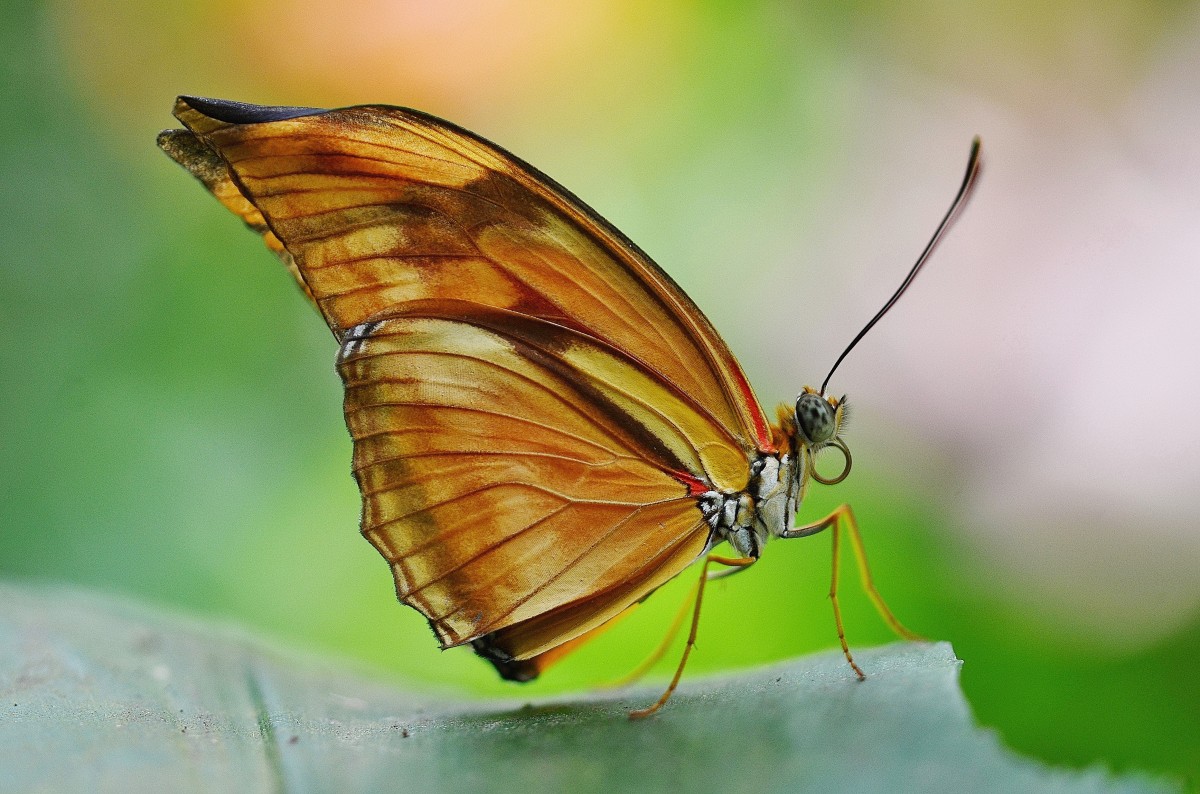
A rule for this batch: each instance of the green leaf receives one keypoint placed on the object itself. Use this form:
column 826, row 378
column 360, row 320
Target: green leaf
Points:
column 104, row 695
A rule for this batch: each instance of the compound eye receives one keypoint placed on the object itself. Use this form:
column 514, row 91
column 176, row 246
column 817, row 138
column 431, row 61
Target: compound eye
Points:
column 815, row 418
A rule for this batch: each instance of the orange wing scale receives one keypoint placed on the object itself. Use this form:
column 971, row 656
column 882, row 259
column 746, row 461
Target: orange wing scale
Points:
column 534, row 404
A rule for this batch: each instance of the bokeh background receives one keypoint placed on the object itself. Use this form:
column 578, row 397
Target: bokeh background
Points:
column 1026, row 440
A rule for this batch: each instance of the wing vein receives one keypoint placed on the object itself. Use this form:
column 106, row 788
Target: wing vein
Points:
column 483, row 453
column 486, row 411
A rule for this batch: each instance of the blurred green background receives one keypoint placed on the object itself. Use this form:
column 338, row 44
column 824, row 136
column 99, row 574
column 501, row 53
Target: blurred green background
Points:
column 1026, row 451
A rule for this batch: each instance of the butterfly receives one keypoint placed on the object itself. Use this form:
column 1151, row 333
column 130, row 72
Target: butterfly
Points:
column 546, row 428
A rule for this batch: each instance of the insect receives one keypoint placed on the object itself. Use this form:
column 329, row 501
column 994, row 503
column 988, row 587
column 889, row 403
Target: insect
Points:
column 546, row 428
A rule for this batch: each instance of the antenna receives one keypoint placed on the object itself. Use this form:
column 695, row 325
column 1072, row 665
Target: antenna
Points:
column 973, row 164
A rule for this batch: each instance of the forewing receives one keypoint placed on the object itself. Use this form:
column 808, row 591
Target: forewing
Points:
column 520, row 475
column 378, row 206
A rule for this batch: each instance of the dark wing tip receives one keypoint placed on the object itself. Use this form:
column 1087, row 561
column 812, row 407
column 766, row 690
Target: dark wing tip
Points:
column 169, row 140
column 185, row 148
column 510, row 669
column 232, row 112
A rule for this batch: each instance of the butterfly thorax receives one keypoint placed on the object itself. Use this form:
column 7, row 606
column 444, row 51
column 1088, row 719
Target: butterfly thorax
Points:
column 747, row 519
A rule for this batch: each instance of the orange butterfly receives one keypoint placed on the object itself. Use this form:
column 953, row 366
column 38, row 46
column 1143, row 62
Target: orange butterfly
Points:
column 546, row 429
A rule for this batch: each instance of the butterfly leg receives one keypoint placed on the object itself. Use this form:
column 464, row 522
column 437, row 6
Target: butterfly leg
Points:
column 841, row 517
column 736, row 563
column 676, row 624
column 651, row 660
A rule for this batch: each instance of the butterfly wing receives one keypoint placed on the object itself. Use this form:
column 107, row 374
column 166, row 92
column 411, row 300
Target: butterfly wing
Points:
column 511, row 474
column 535, row 405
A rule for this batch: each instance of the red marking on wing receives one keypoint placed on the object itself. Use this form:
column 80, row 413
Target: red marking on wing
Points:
column 695, row 486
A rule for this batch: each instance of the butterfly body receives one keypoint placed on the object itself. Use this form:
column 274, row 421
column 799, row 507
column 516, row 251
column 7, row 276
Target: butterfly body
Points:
column 747, row 519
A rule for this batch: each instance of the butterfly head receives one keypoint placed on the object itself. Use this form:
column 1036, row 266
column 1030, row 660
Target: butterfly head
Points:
column 818, row 424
